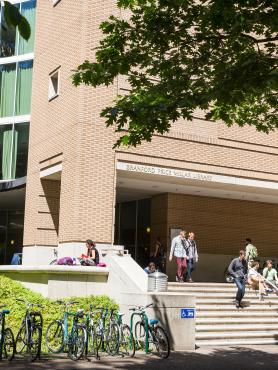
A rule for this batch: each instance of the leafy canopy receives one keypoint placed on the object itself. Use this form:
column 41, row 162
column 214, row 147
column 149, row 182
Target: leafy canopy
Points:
column 179, row 55
column 13, row 18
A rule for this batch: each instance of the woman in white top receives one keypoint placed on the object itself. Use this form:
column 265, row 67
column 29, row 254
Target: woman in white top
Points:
column 256, row 280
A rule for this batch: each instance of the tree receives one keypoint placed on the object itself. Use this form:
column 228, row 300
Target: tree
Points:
column 13, row 18
column 179, row 55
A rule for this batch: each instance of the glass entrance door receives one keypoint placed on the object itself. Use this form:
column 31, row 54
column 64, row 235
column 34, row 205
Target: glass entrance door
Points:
column 132, row 228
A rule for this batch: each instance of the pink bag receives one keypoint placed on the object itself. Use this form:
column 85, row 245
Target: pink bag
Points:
column 101, row 264
column 65, row 261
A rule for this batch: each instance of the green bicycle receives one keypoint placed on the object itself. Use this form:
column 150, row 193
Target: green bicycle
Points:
column 148, row 335
column 58, row 336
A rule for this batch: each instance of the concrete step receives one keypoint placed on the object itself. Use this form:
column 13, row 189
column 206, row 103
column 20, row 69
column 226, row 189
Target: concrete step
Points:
column 200, row 301
column 237, row 327
column 202, row 321
column 209, row 285
column 235, row 313
column 237, row 335
column 235, row 342
column 262, row 308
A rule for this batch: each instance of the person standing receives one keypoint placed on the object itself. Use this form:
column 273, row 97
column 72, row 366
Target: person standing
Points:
column 251, row 252
column 159, row 254
column 238, row 269
column 178, row 249
column 192, row 255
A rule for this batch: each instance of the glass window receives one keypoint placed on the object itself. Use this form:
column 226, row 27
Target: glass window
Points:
column 13, row 150
column 14, row 234
column 53, row 88
column 7, row 38
column 7, row 89
column 23, row 88
column 143, row 231
column 3, row 235
column 128, row 226
column 6, row 152
column 21, row 137
column 28, row 10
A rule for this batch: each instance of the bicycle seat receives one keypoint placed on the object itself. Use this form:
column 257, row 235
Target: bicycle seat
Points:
column 120, row 314
column 153, row 321
column 5, row 312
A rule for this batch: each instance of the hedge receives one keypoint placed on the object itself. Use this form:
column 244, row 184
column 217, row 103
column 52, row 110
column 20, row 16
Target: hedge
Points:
column 10, row 290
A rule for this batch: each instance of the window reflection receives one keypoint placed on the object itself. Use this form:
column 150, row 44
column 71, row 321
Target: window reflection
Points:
column 21, row 135
column 13, row 150
column 7, row 89
column 11, row 234
column 7, row 38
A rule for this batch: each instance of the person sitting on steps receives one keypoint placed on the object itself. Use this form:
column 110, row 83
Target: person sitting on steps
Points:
column 256, row 280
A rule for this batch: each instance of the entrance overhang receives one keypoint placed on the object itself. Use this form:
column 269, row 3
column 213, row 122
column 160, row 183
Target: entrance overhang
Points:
column 147, row 180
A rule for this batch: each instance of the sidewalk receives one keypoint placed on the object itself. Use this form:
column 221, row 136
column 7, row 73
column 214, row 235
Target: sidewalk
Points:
column 222, row 358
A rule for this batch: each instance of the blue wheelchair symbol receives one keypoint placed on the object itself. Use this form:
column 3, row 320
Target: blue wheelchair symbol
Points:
column 187, row 313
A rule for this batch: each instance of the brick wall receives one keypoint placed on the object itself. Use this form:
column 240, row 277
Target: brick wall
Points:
column 221, row 225
column 69, row 127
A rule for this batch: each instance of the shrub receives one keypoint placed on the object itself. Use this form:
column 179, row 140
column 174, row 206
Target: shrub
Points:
column 10, row 290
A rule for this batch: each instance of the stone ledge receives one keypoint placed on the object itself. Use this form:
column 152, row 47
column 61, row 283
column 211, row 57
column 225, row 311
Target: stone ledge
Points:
column 61, row 269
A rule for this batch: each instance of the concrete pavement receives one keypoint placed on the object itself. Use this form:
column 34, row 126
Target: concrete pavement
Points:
column 222, row 358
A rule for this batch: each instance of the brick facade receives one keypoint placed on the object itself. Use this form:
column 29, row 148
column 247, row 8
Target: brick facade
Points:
column 70, row 128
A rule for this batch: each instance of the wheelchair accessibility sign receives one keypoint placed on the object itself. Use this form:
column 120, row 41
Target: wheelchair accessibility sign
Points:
column 187, row 313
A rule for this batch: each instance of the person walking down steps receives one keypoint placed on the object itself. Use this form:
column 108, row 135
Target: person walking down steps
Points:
column 238, row 269
column 178, row 249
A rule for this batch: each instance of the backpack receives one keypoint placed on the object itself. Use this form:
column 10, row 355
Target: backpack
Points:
column 253, row 252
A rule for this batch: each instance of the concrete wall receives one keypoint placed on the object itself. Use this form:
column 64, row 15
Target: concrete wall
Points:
column 167, row 309
column 123, row 280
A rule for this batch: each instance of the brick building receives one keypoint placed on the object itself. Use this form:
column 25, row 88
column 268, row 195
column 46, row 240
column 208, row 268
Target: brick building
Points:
column 220, row 182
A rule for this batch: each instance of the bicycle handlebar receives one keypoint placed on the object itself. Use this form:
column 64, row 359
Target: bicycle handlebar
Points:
column 66, row 303
column 141, row 308
column 29, row 304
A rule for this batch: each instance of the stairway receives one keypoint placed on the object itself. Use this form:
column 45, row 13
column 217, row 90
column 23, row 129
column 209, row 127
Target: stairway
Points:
column 220, row 323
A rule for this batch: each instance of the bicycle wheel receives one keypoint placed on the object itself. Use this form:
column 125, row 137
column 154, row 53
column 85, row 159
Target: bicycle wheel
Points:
column 91, row 343
column 8, row 344
column 140, row 335
column 161, row 341
column 127, row 343
column 34, row 346
column 21, row 340
column 99, row 335
column 112, row 339
column 77, row 342
column 54, row 337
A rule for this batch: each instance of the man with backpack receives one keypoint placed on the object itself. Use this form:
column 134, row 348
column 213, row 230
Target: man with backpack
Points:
column 251, row 252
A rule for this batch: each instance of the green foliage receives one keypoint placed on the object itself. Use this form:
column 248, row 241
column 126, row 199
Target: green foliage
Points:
column 180, row 55
column 10, row 290
column 13, row 18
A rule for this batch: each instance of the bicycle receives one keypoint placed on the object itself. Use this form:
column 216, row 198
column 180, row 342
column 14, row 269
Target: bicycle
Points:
column 126, row 340
column 91, row 347
column 58, row 336
column 148, row 333
column 107, row 337
column 7, row 343
column 30, row 332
